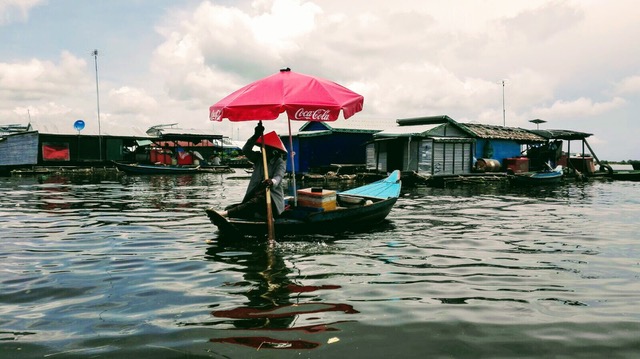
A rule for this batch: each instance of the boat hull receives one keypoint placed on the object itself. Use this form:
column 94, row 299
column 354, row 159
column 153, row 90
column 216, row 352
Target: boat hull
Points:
column 142, row 169
column 625, row 175
column 330, row 222
column 375, row 202
column 538, row 178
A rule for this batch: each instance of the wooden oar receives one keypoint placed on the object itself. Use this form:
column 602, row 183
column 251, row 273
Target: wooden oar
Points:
column 270, row 224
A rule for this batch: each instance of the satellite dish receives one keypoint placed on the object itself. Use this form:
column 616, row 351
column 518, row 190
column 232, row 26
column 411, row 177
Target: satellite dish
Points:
column 78, row 125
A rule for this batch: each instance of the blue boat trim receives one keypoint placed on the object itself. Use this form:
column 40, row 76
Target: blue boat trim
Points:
column 383, row 189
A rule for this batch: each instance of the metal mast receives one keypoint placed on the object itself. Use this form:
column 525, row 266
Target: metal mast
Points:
column 95, row 57
column 504, row 113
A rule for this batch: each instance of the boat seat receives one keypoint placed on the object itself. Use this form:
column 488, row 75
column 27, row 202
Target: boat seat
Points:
column 349, row 201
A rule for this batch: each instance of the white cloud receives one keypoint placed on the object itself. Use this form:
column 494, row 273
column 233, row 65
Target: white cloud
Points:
column 628, row 86
column 579, row 108
column 284, row 23
column 408, row 58
column 131, row 100
column 38, row 80
column 16, row 10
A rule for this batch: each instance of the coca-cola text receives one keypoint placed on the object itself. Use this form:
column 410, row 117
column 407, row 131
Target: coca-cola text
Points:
column 313, row 115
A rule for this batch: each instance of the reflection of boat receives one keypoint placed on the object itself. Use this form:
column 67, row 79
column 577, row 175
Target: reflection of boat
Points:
column 358, row 208
column 275, row 315
column 538, row 177
column 144, row 169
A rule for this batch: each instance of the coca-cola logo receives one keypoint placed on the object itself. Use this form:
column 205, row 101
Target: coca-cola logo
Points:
column 313, row 115
column 216, row 115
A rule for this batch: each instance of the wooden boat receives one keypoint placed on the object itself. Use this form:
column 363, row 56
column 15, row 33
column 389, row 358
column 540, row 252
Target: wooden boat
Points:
column 625, row 175
column 357, row 209
column 147, row 169
column 538, row 177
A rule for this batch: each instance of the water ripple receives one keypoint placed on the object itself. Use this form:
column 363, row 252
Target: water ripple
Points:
column 131, row 266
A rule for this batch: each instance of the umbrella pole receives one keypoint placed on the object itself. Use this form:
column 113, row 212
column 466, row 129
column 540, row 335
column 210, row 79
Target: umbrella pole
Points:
column 270, row 225
column 293, row 167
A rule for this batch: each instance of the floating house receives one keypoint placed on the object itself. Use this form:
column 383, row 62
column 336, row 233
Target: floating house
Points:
column 318, row 145
column 582, row 161
column 425, row 145
column 505, row 145
column 18, row 147
column 440, row 146
column 49, row 145
column 174, row 145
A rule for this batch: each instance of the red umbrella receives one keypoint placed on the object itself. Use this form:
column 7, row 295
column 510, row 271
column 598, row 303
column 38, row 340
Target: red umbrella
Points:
column 302, row 97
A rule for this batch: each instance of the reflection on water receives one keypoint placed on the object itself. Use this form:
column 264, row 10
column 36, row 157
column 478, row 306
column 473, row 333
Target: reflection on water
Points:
column 131, row 267
column 275, row 304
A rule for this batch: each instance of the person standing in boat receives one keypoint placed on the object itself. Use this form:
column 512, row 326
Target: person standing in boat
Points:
column 253, row 203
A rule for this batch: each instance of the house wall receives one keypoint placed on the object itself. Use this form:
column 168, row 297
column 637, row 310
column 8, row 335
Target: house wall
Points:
column 451, row 157
column 496, row 149
column 444, row 157
column 323, row 150
column 423, row 155
column 377, row 155
column 84, row 149
column 371, row 156
column 411, row 155
column 19, row 149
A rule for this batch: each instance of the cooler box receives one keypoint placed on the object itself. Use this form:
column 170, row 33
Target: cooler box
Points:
column 185, row 158
column 317, row 198
column 166, row 158
column 516, row 164
column 154, row 156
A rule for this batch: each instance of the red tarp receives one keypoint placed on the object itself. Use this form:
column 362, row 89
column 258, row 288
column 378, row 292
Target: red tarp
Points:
column 55, row 152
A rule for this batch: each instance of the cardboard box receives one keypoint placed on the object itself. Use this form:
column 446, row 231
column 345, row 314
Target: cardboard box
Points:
column 317, row 198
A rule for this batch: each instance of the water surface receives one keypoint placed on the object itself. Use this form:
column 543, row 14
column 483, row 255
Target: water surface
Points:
column 131, row 267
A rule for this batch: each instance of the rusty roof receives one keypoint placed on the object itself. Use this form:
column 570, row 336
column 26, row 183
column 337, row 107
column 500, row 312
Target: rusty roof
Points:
column 502, row 133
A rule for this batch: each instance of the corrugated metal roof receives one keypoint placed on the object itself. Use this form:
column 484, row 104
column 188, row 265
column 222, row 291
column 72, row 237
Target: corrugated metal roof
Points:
column 406, row 131
column 228, row 143
column 502, row 133
column 562, row 134
column 50, row 128
column 311, row 133
column 14, row 128
column 173, row 131
column 425, row 120
column 357, row 125
column 452, row 139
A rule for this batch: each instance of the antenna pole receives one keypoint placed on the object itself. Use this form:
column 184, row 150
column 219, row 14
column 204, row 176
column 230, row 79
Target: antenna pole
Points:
column 504, row 113
column 95, row 57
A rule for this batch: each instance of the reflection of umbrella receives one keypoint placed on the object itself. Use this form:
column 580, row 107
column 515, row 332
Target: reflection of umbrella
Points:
column 302, row 97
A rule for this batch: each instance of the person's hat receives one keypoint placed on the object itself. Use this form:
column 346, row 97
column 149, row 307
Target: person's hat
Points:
column 272, row 139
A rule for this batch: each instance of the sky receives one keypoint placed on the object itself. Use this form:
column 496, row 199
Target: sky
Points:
column 572, row 63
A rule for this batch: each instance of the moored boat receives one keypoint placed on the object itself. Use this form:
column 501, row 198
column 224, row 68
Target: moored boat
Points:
column 625, row 175
column 538, row 177
column 146, row 169
column 360, row 208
